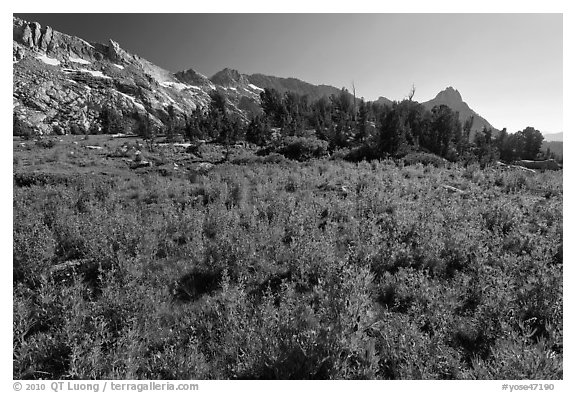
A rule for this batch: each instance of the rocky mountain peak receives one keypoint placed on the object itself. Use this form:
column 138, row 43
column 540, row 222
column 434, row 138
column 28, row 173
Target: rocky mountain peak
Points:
column 192, row 77
column 452, row 98
column 229, row 78
column 31, row 34
column 115, row 53
column 449, row 95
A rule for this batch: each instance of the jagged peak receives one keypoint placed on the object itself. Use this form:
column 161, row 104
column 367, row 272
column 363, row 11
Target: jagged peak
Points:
column 115, row 51
column 191, row 71
column 191, row 76
column 228, row 71
column 449, row 94
column 229, row 77
column 113, row 44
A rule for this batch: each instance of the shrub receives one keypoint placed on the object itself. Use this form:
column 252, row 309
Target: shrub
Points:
column 324, row 269
column 424, row 159
column 364, row 152
column 34, row 249
column 20, row 128
column 45, row 143
column 273, row 158
column 340, row 154
column 302, row 148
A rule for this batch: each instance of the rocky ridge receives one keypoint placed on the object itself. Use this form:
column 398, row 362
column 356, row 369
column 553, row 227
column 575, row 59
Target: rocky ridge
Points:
column 61, row 82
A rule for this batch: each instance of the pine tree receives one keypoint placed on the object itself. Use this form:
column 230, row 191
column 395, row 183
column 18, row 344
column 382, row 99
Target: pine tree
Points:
column 258, row 131
column 110, row 120
column 392, row 133
column 172, row 123
column 532, row 143
column 362, row 122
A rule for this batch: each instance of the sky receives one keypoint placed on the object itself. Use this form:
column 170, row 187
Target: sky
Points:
column 507, row 67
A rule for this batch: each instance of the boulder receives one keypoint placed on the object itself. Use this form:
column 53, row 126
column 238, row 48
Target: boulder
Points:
column 205, row 167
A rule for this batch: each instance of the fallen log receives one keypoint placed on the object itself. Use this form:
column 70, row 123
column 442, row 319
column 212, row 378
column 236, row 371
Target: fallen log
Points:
column 453, row 189
column 68, row 267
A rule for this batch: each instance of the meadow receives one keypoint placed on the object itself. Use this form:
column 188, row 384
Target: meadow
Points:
column 267, row 268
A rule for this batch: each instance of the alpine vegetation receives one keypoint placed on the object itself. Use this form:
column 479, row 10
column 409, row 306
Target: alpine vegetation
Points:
column 173, row 226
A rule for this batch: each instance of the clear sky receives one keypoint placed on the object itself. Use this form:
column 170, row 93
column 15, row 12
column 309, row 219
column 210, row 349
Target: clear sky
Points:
column 507, row 67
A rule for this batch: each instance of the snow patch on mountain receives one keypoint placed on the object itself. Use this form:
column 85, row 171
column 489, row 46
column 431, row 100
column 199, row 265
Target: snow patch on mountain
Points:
column 78, row 60
column 254, row 87
column 97, row 74
column 48, row 60
column 136, row 104
column 175, row 85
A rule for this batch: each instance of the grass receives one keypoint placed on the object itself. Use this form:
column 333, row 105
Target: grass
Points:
column 277, row 269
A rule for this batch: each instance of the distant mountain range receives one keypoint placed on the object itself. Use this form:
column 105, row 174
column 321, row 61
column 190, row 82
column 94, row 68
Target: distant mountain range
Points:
column 556, row 137
column 61, row 81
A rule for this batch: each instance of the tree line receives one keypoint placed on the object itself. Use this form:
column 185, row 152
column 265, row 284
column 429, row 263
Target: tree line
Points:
column 367, row 130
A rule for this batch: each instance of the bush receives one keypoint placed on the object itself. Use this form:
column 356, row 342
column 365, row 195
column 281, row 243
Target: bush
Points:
column 272, row 158
column 323, row 269
column 363, row 152
column 424, row 159
column 19, row 128
column 45, row 143
column 340, row 154
column 302, row 148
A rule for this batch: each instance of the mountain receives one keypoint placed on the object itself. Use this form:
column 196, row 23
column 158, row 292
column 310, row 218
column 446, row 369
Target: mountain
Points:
column 314, row 92
column 556, row 147
column 244, row 90
column 384, row 101
column 61, row 82
column 452, row 98
column 556, row 137
column 194, row 78
column 242, row 94
column 230, row 78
